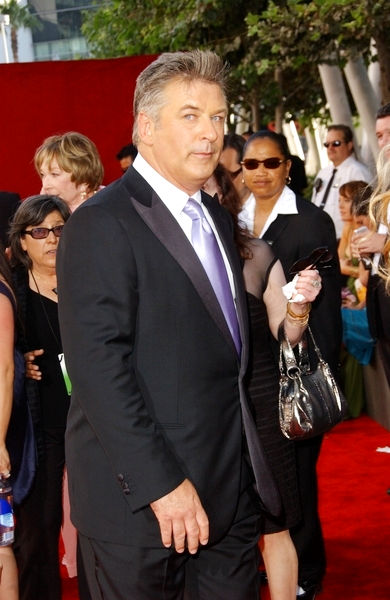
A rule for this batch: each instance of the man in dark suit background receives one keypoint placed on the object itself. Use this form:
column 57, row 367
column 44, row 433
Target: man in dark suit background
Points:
column 161, row 491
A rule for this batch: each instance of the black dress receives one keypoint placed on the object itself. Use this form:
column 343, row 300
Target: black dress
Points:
column 20, row 441
column 39, row 517
column 263, row 385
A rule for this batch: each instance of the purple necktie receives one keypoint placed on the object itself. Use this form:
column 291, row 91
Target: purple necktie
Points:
column 209, row 254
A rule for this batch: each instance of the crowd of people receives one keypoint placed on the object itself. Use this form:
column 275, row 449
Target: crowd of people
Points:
column 140, row 336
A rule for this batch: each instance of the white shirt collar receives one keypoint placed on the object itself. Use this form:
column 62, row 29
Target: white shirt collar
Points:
column 286, row 204
column 173, row 198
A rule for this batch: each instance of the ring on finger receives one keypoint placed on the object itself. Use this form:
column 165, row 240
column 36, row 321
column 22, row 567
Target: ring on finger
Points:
column 316, row 283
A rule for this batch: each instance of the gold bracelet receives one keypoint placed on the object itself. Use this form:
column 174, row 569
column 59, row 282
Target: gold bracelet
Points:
column 295, row 315
column 300, row 322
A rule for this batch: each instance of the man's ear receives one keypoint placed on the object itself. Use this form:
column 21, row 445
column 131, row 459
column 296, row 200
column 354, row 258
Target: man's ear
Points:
column 145, row 128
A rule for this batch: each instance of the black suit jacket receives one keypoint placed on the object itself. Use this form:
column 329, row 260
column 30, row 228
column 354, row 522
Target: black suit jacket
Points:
column 295, row 236
column 157, row 385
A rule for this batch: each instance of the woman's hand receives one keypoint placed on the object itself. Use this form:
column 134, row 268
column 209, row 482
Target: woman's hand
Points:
column 308, row 284
column 32, row 370
column 367, row 243
column 5, row 465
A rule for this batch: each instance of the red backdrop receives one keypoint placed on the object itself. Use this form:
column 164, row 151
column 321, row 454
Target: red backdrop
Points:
column 39, row 99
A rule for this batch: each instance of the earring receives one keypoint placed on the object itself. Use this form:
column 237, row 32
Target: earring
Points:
column 242, row 180
column 83, row 195
column 288, row 179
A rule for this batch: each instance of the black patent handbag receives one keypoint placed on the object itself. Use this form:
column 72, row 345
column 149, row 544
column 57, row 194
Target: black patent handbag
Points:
column 310, row 402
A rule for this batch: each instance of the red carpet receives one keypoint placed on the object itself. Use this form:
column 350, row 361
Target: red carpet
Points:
column 355, row 512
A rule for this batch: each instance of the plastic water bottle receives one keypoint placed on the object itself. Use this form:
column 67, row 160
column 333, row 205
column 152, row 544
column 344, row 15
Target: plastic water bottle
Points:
column 7, row 524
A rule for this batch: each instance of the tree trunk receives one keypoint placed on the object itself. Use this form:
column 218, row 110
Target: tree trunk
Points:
column 255, row 110
column 364, row 98
column 383, row 49
column 14, row 43
column 279, row 108
column 336, row 95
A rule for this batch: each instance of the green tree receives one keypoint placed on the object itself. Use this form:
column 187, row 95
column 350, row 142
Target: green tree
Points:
column 19, row 16
column 296, row 33
column 130, row 27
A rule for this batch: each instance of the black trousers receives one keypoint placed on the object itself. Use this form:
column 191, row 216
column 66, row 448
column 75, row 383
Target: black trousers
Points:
column 38, row 525
column 227, row 570
column 307, row 535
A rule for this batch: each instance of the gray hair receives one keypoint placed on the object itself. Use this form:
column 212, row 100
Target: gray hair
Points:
column 196, row 65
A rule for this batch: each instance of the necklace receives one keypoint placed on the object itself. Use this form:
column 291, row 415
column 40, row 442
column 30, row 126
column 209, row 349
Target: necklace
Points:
column 54, row 289
column 44, row 310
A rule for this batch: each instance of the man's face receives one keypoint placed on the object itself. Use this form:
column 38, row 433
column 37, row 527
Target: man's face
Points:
column 382, row 130
column 125, row 163
column 337, row 153
column 184, row 143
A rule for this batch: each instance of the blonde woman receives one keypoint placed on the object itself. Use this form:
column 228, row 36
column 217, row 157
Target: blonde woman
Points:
column 69, row 166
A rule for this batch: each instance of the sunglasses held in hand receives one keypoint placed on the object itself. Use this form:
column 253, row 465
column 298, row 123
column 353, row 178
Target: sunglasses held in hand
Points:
column 319, row 258
column 269, row 163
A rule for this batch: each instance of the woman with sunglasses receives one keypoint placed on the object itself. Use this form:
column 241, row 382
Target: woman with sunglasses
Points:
column 264, row 279
column 34, row 235
column 296, row 229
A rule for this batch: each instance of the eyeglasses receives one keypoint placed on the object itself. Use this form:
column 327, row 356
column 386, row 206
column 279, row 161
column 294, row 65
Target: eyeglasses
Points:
column 40, row 233
column 270, row 163
column 334, row 144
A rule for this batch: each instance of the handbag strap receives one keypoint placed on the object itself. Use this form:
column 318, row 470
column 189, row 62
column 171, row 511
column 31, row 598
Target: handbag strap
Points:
column 288, row 364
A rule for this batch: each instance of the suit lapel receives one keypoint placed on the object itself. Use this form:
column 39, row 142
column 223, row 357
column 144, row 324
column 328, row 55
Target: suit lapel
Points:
column 165, row 227
column 276, row 229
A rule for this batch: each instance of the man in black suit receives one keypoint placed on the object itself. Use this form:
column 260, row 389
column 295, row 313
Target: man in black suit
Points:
column 161, row 491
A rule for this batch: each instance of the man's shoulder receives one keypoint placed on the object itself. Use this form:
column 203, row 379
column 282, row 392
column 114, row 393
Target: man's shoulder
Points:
column 325, row 171
column 118, row 192
column 310, row 211
column 355, row 169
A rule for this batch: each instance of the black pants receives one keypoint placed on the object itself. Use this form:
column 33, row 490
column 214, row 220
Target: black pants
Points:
column 227, row 570
column 307, row 535
column 38, row 525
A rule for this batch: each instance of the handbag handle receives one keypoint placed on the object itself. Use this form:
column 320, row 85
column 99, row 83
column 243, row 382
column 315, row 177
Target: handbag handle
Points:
column 293, row 367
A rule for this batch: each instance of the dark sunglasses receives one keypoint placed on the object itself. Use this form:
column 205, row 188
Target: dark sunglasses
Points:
column 318, row 258
column 270, row 163
column 40, row 233
column 334, row 144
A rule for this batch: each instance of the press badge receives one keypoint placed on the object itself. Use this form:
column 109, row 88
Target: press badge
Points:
column 68, row 383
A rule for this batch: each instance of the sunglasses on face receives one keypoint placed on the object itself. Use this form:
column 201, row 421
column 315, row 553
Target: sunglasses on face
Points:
column 334, row 144
column 270, row 163
column 40, row 233
column 318, row 258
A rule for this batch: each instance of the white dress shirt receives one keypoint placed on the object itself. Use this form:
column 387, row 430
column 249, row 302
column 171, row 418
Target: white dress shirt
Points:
column 175, row 200
column 286, row 204
column 349, row 170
